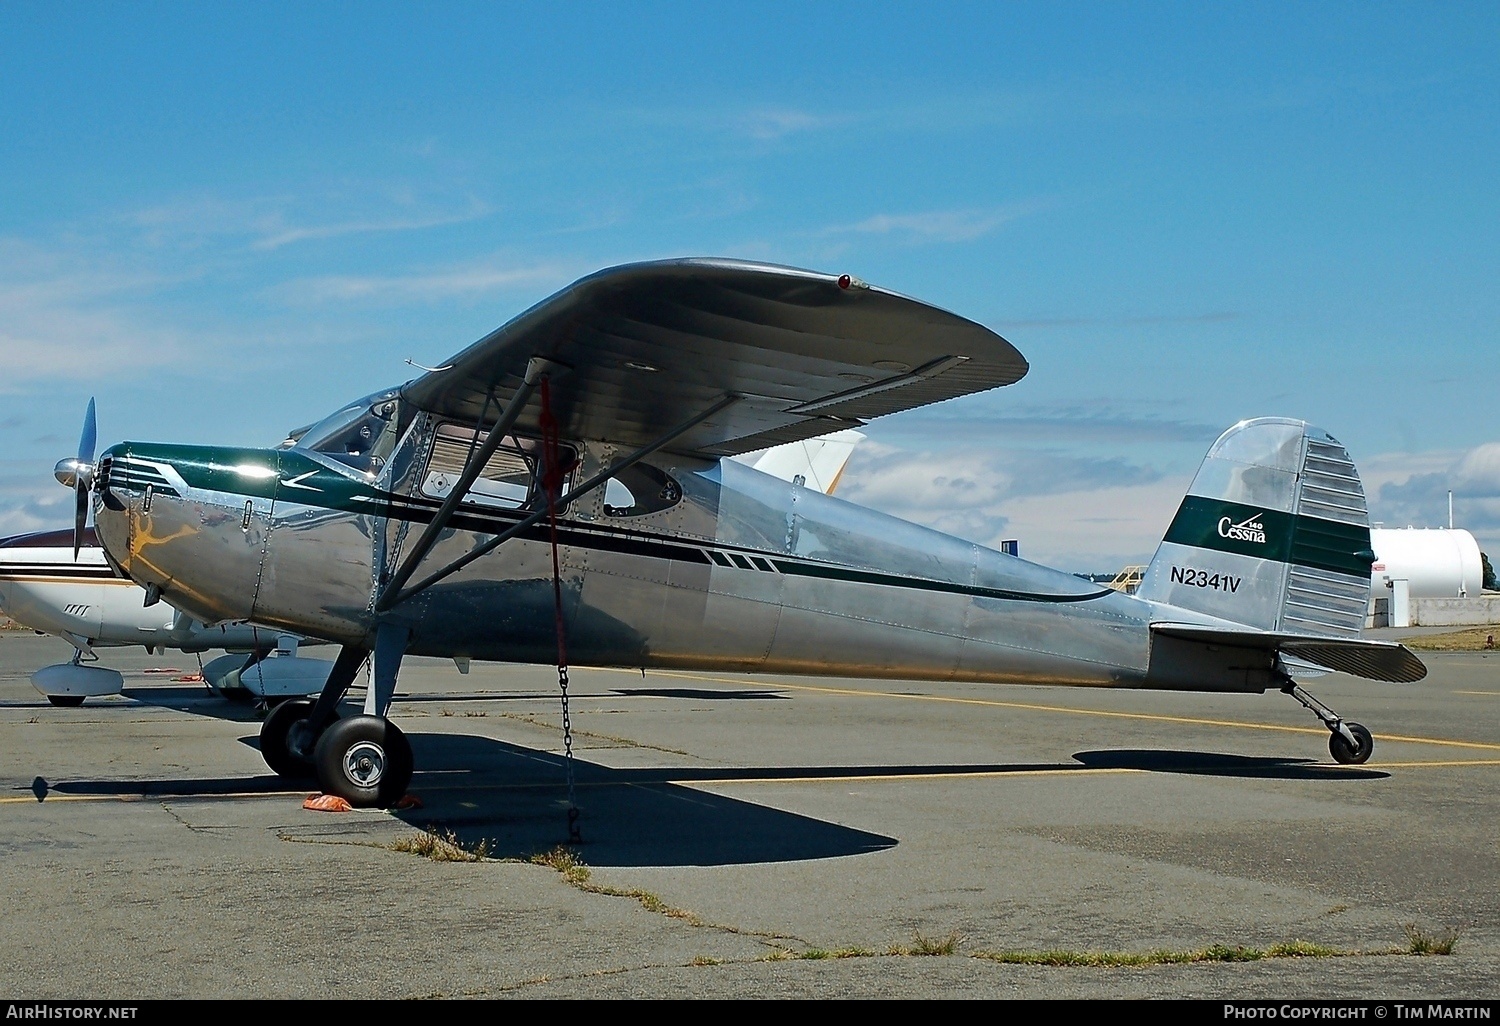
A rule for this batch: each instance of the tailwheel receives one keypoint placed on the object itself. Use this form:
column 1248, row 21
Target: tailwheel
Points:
column 1349, row 743
column 1351, row 755
column 365, row 760
column 287, row 741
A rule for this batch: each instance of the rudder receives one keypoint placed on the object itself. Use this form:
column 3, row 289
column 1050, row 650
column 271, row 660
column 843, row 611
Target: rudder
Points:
column 1274, row 534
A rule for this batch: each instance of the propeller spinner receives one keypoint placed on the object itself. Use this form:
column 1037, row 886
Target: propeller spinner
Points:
column 77, row 473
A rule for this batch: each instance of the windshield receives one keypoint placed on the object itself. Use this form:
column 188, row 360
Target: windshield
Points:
column 361, row 435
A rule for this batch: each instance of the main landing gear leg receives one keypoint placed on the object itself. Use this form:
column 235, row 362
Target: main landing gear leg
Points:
column 289, row 735
column 365, row 759
column 1348, row 743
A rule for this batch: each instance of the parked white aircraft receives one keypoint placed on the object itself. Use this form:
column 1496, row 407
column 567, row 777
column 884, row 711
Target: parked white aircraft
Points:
column 78, row 597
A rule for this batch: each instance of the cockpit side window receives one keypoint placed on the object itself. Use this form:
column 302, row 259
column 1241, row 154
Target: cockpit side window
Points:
column 360, row 435
column 640, row 489
column 511, row 479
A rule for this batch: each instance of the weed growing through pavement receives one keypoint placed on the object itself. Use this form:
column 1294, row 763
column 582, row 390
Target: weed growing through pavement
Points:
column 444, row 847
column 577, row 874
column 924, row 945
column 1122, row 959
column 1420, row 942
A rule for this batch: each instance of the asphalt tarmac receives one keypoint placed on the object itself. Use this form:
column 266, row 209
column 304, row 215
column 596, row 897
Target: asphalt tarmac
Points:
column 736, row 828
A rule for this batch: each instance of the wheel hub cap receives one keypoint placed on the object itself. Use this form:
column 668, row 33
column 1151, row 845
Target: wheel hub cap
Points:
column 298, row 737
column 364, row 763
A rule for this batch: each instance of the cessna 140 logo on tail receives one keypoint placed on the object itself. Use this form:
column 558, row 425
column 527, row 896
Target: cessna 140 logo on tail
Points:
column 1250, row 529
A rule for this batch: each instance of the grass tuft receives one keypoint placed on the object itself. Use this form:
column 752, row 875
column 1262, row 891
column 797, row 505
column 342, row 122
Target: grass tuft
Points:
column 924, row 945
column 577, row 874
column 1475, row 639
column 566, row 863
column 1127, row 959
column 444, row 847
column 1420, row 942
column 1301, row 949
column 706, row 960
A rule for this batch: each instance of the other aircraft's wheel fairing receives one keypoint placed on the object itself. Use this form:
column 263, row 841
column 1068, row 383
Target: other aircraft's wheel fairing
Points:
column 1341, row 751
column 65, row 700
column 287, row 756
column 365, row 760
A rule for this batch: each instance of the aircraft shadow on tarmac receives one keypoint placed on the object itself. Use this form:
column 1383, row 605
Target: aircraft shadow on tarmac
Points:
column 193, row 698
column 700, row 693
column 515, row 799
column 1219, row 765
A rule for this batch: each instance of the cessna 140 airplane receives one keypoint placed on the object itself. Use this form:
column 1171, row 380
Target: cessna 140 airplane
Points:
column 565, row 479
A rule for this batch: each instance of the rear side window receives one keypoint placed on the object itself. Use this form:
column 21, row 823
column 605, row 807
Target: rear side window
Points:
column 640, row 489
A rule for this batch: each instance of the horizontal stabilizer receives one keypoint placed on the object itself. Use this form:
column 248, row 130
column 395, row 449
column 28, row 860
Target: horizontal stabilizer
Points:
column 1375, row 660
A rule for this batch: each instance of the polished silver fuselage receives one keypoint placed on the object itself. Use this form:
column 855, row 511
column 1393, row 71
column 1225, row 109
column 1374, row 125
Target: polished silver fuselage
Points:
column 746, row 572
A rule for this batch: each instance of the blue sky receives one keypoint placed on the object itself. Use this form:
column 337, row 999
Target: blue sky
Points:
column 223, row 220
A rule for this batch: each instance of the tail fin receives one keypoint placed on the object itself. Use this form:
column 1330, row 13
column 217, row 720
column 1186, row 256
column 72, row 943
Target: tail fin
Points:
column 1274, row 534
column 819, row 461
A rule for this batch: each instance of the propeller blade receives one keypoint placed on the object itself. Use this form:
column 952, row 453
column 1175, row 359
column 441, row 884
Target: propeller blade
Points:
column 80, row 515
column 90, row 436
column 84, row 477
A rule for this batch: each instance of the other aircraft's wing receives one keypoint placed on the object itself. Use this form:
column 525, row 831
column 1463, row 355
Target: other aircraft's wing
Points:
column 646, row 345
column 1375, row 660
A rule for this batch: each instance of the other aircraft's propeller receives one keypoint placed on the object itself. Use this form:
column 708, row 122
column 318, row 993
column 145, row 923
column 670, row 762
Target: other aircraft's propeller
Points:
column 77, row 473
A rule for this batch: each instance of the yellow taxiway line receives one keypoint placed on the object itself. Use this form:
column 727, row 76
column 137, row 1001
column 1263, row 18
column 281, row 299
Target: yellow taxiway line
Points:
column 1033, row 707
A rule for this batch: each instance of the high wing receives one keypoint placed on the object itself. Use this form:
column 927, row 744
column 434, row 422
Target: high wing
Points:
column 645, row 345
column 1374, row 660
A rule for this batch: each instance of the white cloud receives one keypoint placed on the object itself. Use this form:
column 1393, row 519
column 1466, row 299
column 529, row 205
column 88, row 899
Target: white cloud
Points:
column 1078, row 514
column 776, row 123
column 961, row 225
column 30, row 500
column 1411, row 489
column 1095, row 530
column 886, row 478
column 291, row 234
column 64, row 315
column 477, row 279
column 1478, row 473
column 270, row 222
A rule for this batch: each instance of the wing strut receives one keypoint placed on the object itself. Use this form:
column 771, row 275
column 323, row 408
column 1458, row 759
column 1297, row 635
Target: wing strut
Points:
column 536, row 369
column 392, row 597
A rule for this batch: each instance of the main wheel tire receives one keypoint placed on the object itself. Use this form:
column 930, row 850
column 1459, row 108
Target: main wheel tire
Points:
column 1341, row 751
column 67, row 701
column 365, row 760
column 287, row 759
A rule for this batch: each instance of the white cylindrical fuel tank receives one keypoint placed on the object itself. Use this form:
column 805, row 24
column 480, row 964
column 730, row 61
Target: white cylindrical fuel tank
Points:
column 1438, row 562
column 70, row 683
